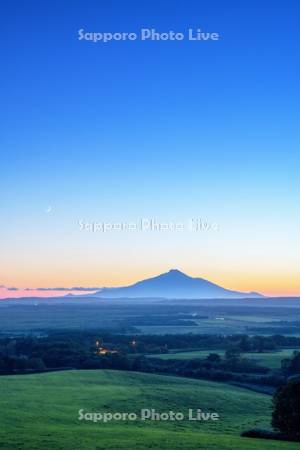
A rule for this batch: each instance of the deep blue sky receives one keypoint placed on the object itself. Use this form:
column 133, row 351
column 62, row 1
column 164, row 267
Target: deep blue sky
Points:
column 124, row 130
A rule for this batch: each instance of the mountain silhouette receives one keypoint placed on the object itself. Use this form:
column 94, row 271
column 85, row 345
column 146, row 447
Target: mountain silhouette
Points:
column 173, row 284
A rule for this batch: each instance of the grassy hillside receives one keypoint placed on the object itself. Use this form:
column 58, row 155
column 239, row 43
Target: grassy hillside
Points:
column 40, row 412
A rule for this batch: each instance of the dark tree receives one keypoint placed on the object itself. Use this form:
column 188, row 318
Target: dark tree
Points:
column 213, row 357
column 245, row 344
column 286, row 411
column 232, row 353
column 291, row 366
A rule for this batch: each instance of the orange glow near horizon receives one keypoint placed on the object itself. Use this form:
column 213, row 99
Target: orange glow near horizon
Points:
column 267, row 284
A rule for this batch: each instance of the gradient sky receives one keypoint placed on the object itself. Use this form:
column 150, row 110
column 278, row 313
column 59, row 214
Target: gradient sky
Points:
column 166, row 130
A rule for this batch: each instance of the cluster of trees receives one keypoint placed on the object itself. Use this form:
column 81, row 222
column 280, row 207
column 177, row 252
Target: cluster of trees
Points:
column 32, row 354
column 284, row 327
column 231, row 367
column 291, row 366
column 67, row 344
column 14, row 364
column 286, row 409
column 68, row 349
column 285, row 414
column 146, row 344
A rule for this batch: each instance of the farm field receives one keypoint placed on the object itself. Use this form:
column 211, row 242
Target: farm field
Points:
column 261, row 317
column 271, row 360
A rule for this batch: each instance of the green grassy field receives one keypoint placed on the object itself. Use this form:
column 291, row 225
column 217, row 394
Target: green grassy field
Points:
column 267, row 359
column 270, row 359
column 187, row 355
column 40, row 412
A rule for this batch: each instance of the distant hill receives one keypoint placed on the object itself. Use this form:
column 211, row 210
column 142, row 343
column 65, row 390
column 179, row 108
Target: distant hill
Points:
column 173, row 284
